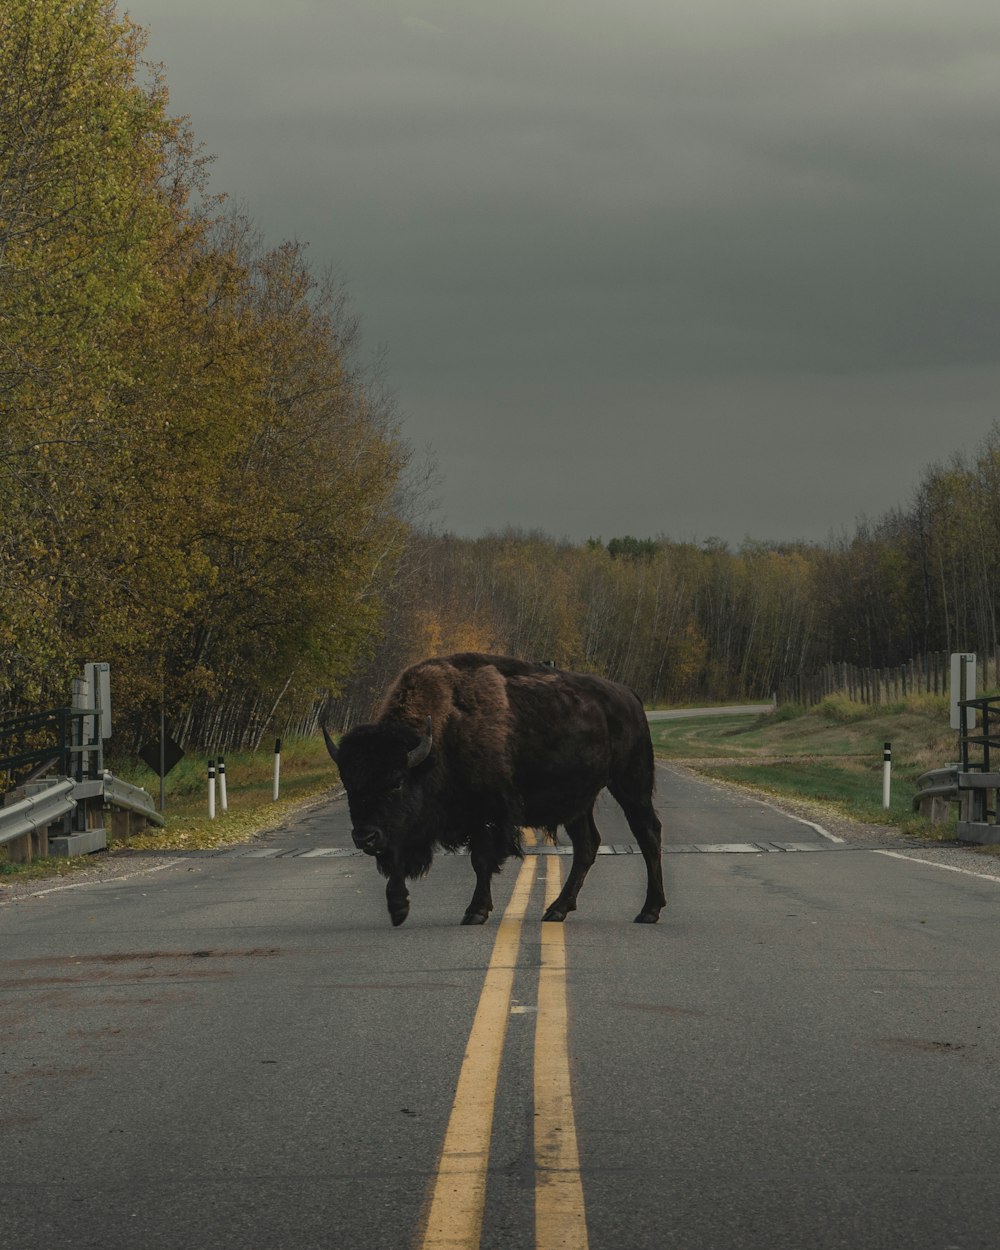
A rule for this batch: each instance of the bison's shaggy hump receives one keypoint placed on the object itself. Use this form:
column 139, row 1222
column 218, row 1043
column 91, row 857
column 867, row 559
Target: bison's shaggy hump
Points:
column 466, row 698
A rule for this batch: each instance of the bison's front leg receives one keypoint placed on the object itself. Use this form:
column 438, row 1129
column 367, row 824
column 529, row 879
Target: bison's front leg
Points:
column 482, row 898
column 397, row 897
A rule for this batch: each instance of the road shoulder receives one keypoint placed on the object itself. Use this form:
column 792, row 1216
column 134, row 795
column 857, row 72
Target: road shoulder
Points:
column 946, row 854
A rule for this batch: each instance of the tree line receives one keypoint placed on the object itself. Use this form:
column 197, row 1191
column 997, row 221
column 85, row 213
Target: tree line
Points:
column 684, row 622
column 199, row 482
column 202, row 482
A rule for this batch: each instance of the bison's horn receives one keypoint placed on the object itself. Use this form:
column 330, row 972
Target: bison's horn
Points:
column 423, row 748
column 330, row 744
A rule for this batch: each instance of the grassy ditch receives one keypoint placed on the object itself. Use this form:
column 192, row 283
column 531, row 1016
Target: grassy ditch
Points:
column 306, row 773
column 830, row 754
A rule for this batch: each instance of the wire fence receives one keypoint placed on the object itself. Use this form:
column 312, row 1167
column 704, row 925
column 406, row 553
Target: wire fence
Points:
column 924, row 674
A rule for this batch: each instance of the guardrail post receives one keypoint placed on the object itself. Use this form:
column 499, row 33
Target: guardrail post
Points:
column 223, row 798
column 277, row 769
column 211, row 789
column 886, row 773
column 78, row 701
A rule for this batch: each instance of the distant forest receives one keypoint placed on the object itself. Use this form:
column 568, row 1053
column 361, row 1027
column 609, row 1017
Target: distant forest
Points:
column 201, row 484
column 685, row 622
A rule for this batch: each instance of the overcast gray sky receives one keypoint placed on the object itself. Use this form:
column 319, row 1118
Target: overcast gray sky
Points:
column 686, row 267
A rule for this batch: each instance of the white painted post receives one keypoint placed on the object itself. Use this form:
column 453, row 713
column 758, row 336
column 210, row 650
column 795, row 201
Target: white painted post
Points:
column 886, row 773
column 223, row 799
column 211, row 789
column 277, row 768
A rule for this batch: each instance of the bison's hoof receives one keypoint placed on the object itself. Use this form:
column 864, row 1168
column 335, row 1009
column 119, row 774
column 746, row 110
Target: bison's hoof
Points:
column 647, row 917
column 475, row 917
column 397, row 917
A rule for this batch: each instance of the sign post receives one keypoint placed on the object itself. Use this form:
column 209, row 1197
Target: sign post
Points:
column 963, row 686
column 161, row 756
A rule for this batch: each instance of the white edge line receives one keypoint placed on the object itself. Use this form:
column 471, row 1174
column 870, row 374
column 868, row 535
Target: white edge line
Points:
column 79, row 885
column 823, row 833
column 913, row 859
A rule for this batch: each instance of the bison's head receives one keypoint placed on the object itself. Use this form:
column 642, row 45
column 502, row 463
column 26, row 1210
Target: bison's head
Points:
column 377, row 766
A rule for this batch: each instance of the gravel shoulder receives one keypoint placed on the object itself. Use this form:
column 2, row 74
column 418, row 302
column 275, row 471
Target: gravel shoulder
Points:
column 101, row 868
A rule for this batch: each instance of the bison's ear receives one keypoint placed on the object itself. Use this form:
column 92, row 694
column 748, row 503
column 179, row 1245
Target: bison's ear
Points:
column 330, row 744
column 423, row 748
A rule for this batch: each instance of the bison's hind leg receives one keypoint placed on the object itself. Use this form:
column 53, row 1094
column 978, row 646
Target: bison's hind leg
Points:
column 586, row 839
column 645, row 826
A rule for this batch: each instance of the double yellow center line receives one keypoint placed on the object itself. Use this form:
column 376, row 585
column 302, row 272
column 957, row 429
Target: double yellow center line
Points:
column 455, row 1215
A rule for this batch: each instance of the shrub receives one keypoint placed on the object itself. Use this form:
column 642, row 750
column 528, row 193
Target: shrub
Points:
column 785, row 711
column 935, row 705
column 838, row 707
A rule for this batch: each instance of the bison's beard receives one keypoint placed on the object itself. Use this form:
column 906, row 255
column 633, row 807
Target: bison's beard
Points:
column 410, row 860
column 414, row 858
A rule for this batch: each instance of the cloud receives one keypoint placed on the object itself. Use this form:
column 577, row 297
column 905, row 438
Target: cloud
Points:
column 722, row 212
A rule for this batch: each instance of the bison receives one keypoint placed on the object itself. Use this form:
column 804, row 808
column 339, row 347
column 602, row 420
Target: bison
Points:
column 468, row 749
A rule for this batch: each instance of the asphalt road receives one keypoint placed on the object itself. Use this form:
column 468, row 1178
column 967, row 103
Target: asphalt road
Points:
column 735, row 709
column 238, row 1050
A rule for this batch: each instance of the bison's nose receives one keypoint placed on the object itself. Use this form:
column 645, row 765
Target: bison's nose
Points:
column 368, row 838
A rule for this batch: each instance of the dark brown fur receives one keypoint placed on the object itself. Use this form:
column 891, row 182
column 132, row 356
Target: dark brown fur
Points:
column 515, row 744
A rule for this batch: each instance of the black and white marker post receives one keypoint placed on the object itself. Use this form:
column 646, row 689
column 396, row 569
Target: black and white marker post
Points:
column 211, row 789
column 886, row 773
column 277, row 767
column 223, row 799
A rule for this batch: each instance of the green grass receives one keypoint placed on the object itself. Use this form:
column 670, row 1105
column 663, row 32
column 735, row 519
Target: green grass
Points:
column 744, row 734
column 305, row 767
column 306, row 773
column 830, row 755
column 850, row 786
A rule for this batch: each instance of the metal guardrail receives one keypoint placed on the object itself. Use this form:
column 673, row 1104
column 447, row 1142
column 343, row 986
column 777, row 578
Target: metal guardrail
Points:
column 38, row 811
column 35, row 814
column 973, row 783
column 937, row 783
column 130, row 798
